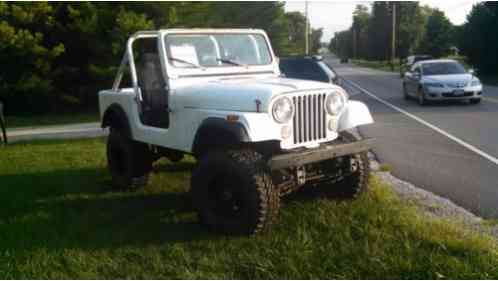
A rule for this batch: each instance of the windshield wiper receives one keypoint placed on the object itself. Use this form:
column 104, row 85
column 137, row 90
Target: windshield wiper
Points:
column 186, row 62
column 231, row 62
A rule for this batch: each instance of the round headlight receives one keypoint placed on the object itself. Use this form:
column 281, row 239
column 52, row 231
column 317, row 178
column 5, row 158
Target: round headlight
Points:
column 283, row 110
column 335, row 103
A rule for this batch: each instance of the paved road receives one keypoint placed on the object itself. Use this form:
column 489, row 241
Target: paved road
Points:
column 82, row 130
column 450, row 149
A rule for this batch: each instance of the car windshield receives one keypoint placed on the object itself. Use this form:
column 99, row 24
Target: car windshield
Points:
column 442, row 68
column 216, row 50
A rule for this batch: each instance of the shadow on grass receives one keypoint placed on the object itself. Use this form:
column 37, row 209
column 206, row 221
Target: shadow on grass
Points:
column 69, row 209
column 182, row 166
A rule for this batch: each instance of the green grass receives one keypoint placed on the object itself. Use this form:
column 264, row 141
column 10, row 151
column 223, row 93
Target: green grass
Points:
column 50, row 119
column 59, row 219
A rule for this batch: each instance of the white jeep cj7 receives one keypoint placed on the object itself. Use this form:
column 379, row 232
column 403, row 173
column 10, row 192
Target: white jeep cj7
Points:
column 218, row 94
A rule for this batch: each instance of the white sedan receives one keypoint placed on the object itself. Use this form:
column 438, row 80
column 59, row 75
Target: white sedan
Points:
column 435, row 80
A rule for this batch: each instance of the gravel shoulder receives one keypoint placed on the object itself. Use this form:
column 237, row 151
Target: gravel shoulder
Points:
column 432, row 205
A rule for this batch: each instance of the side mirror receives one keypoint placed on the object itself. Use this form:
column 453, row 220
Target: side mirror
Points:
column 471, row 71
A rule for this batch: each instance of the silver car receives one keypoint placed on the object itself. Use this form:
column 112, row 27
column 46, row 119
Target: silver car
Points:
column 435, row 80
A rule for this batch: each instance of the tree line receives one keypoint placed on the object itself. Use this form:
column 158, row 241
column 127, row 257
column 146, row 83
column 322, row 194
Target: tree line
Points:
column 56, row 56
column 421, row 30
column 418, row 29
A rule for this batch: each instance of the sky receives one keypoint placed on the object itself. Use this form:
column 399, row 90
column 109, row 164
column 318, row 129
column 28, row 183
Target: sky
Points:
column 335, row 16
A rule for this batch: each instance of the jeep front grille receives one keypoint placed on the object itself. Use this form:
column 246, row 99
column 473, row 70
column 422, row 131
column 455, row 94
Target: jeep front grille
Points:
column 309, row 118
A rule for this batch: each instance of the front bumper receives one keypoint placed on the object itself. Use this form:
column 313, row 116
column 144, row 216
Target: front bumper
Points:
column 324, row 152
column 447, row 93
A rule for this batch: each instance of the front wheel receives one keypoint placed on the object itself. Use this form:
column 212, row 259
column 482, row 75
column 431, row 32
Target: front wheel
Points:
column 421, row 97
column 354, row 170
column 128, row 161
column 233, row 193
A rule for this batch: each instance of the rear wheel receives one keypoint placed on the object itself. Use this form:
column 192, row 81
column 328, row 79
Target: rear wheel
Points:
column 128, row 161
column 232, row 192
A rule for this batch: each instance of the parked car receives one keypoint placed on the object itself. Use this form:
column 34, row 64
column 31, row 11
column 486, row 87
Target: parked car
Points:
column 410, row 61
column 308, row 68
column 217, row 94
column 435, row 80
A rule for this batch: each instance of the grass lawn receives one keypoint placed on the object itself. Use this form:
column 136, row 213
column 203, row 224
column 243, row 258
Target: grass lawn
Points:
column 59, row 219
column 50, row 119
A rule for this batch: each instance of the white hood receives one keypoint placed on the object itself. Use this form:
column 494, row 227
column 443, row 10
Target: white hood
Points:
column 240, row 94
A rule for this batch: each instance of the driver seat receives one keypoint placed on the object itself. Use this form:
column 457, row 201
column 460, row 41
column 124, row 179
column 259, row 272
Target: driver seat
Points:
column 155, row 98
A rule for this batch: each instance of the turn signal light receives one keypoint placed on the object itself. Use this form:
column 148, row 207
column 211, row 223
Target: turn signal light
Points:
column 232, row 118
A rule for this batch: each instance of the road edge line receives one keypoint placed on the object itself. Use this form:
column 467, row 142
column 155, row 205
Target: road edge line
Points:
column 423, row 122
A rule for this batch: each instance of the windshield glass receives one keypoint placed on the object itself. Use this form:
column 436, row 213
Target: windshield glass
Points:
column 216, row 50
column 442, row 68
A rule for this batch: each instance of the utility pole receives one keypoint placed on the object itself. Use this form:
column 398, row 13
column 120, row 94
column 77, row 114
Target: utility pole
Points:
column 354, row 43
column 393, row 36
column 306, row 28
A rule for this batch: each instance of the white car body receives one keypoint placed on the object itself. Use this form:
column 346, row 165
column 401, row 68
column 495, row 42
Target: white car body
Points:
column 243, row 94
column 441, row 87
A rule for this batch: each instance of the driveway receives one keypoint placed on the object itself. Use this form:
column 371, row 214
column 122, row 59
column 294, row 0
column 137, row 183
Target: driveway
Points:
column 82, row 130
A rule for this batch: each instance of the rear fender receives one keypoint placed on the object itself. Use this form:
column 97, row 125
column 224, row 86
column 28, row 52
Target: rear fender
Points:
column 355, row 114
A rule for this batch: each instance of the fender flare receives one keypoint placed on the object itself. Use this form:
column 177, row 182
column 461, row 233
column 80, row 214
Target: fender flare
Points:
column 218, row 132
column 115, row 116
column 355, row 114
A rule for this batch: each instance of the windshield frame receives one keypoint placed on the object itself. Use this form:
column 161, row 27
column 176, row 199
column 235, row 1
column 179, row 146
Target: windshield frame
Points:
column 223, row 69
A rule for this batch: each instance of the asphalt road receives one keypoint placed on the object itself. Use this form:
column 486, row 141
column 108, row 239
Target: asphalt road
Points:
column 450, row 148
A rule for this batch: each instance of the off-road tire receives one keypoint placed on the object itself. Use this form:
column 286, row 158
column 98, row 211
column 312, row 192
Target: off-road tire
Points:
column 252, row 201
column 474, row 101
column 129, row 161
column 353, row 183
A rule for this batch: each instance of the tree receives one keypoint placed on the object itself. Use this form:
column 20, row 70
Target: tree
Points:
column 478, row 39
column 27, row 53
column 409, row 27
column 438, row 35
column 341, row 44
column 296, row 23
column 315, row 40
column 359, row 29
column 379, row 31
